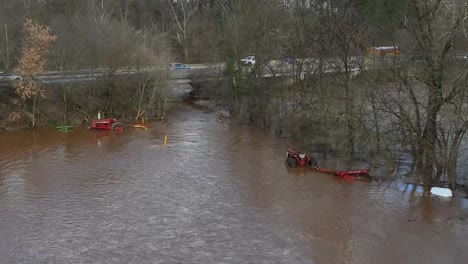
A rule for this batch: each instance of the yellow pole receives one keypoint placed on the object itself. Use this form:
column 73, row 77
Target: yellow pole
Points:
column 165, row 140
column 142, row 120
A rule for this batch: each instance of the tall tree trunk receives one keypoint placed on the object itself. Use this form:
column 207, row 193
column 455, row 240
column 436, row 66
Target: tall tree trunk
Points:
column 376, row 121
column 7, row 50
column 349, row 119
column 33, row 117
column 429, row 138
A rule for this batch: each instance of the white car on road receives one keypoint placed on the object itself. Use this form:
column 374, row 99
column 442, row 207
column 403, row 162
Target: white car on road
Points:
column 249, row 60
column 9, row 77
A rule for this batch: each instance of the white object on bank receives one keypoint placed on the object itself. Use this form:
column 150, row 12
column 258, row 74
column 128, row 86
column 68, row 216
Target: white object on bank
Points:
column 444, row 192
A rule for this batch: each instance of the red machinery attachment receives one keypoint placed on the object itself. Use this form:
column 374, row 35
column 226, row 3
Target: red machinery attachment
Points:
column 350, row 175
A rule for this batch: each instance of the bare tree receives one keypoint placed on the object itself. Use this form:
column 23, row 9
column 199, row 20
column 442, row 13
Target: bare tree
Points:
column 5, row 48
column 183, row 11
column 344, row 49
column 434, row 27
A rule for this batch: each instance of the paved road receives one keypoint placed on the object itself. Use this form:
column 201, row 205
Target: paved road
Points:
column 272, row 68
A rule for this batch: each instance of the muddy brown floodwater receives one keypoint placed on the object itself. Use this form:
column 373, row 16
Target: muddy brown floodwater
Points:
column 216, row 194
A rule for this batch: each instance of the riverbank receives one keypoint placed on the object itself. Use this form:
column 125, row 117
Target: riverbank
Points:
column 76, row 103
column 382, row 167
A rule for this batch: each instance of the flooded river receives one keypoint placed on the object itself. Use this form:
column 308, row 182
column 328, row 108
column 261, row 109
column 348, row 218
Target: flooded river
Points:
column 216, row 194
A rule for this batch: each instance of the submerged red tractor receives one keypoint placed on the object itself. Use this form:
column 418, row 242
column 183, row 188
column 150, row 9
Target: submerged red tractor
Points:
column 295, row 158
column 111, row 124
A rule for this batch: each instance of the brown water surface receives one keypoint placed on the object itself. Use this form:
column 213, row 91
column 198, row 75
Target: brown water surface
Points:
column 216, row 194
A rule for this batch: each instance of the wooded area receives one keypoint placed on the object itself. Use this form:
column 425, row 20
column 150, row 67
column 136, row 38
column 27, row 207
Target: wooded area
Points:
column 414, row 101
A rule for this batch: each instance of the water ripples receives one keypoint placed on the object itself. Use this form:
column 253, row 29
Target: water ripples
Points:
column 216, row 193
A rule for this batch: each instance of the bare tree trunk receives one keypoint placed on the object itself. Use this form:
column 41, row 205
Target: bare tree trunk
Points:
column 7, row 50
column 349, row 118
column 65, row 108
column 142, row 94
column 33, row 117
column 186, row 52
column 453, row 154
column 429, row 141
column 376, row 121
column 186, row 9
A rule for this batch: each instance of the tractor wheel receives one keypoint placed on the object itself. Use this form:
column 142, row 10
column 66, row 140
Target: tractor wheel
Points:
column 117, row 127
column 313, row 162
column 291, row 163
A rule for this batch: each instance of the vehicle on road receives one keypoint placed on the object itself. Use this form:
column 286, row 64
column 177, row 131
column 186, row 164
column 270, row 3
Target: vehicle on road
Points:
column 249, row 60
column 287, row 60
column 384, row 51
column 111, row 124
column 460, row 57
column 179, row 66
column 9, row 77
column 295, row 158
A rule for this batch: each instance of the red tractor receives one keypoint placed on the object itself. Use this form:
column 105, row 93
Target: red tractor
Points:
column 111, row 124
column 295, row 158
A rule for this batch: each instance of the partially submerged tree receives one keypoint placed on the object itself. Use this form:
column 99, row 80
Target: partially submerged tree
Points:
column 433, row 25
column 151, row 95
column 343, row 48
column 421, row 101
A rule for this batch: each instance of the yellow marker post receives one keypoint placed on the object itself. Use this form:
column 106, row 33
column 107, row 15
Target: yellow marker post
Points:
column 165, row 140
column 142, row 120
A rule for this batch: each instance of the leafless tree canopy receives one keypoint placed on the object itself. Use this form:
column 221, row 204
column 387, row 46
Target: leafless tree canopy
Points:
column 336, row 94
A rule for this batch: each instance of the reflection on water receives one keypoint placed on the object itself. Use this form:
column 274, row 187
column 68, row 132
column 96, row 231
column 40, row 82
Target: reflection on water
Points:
column 216, row 194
